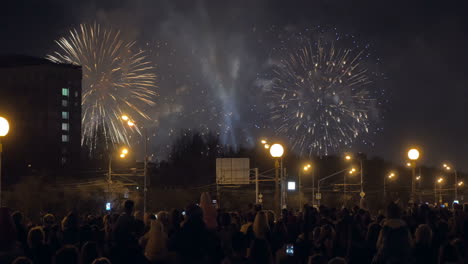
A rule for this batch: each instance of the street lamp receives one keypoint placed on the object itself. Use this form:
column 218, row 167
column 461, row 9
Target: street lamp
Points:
column 413, row 155
column 448, row 168
column 348, row 158
column 391, row 175
column 440, row 181
column 4, row 128
column 123, row 153
column 277, row 151
column 305, row 169
column 131, row 124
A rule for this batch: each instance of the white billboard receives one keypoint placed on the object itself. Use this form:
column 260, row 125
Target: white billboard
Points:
column 232, row 171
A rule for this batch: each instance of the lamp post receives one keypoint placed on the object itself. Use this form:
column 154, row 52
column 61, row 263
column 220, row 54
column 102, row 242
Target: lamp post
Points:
column 418, row 179
column 390, row 176
column 4, row 128
column 348, row 158
column 131, row 124
column 303, row 170
column 277, row 151
column 413, row 155
column 439, row 181
column 448, row 168
column 123, row 153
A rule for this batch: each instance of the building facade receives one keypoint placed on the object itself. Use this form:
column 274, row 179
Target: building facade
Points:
column 42, row 101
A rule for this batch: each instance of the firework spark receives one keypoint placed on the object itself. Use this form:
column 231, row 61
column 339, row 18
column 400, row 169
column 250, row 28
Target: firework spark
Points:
column 116, row 81
column 319, row 98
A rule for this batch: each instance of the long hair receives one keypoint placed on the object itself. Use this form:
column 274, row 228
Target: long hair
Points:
column 423, row 235
column 157, row 240
column 260, row 225
column 209, row 211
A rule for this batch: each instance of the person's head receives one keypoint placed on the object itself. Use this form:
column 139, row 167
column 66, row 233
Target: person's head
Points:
column 448, row 254
column 128, row 206
column 317, row 259
column 271, row 217
column 22, row 260
column 89, row 252
column 393, row 210
column 17, row 218
column 224, row 220
column 102, row 261
column 194, row 212
column 7, row 230
column 66, row 255
column 260, row 252
column 260, row 225
column 70, row 221
column 148, row 217
column 175, row 218
column 326, row 231
column 36, row 237
column 337, row 260
column 163, row 217
column 48, row 220
column 423, row 235
column 250, row 217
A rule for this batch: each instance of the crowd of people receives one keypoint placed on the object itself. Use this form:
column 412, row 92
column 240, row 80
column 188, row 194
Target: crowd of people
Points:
column 202, row 233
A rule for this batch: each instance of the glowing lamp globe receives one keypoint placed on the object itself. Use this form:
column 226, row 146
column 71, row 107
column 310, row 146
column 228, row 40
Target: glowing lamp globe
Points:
column 413, row 154
column 276, row 150
column 4, row 127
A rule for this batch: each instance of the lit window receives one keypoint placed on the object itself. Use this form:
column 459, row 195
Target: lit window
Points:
column 65, row 91
column 64, row 160
column 64, row 103
column 65, row 126
column 64, row 138
column 64, row 115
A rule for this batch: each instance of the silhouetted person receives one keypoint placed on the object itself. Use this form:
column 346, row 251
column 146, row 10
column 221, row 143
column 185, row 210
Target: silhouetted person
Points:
column 89, row 252
column 156, row 247
column 38, row 251
column 102, row 261
column 21, row 231
column 70, row 230
column 394, row 242
column 22, row 260
column 194, row 243
column 9, row 246
column 423, row 252
column 66, row 255
column 124, row 229
column 260, row 252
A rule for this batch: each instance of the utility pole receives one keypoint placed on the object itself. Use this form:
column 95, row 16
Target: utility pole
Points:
column 145, row 170
column 277, row 194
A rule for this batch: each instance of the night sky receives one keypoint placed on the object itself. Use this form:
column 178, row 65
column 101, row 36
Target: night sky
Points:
column 209, row 56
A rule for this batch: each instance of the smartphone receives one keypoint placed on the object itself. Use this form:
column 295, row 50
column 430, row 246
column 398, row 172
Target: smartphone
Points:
column 214, row 201
column 183, row 213
column 290, row 249
column 108, row 206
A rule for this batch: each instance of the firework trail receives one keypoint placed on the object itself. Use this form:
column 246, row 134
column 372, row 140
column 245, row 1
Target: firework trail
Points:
column 319, row 98
column 116, row 80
